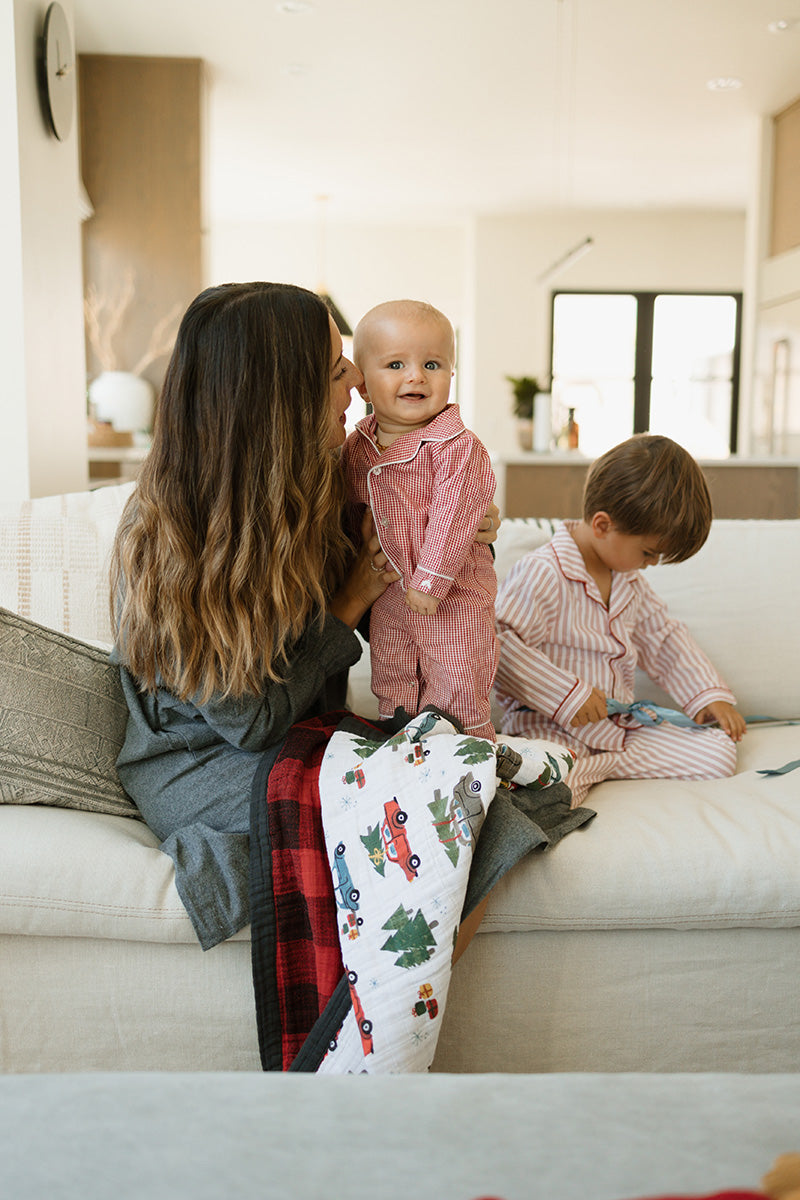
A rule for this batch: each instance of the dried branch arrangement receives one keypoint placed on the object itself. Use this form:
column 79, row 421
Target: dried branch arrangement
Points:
column 104, row 316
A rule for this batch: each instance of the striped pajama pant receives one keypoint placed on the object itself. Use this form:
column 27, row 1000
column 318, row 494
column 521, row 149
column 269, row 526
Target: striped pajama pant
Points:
column 647, row 752
column 447, row 660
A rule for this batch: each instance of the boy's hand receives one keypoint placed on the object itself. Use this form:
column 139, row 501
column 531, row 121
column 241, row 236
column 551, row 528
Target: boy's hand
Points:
column 594, row 709
column 726, row 716
column 421, row 602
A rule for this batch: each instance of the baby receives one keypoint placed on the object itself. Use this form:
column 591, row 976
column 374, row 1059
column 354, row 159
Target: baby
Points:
column 576, row 617
column 428, row 482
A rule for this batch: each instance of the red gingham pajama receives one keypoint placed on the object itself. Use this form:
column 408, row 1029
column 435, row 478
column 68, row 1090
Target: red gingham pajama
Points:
column 428, row 493
column 558, row 640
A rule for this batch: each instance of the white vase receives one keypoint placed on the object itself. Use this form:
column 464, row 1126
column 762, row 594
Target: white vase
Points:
column 123, row 399
column 524, row 433
column 543, row 422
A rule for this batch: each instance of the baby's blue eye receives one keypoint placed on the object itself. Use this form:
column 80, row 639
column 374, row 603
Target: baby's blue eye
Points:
column 396, row 365
column 431, row 366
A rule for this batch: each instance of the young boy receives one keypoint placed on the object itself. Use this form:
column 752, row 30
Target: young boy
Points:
column 576, row 617
column 428, row 482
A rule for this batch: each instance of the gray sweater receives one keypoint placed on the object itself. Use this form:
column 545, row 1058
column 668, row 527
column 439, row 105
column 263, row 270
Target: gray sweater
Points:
column 189, row 769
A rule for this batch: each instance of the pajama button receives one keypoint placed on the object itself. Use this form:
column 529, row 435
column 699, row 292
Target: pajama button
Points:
column 384, row 521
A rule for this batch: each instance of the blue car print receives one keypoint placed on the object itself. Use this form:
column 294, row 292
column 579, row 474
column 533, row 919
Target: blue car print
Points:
column 346, row 894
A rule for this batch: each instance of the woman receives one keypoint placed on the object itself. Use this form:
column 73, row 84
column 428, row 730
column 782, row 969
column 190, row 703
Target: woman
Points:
column 236, row 592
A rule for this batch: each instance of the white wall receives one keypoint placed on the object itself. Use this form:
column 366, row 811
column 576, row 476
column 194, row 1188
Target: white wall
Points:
column 14, row 426
column 654, row 250
column 484, row 277
column 43, row 447
column 360, row 265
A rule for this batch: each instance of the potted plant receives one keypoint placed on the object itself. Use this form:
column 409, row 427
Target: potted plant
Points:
column 525, row 389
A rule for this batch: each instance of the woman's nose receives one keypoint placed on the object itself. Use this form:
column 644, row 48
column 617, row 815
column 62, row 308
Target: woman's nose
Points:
column 356, row 378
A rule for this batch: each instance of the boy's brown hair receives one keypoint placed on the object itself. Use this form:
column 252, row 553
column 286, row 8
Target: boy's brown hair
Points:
column 650, row 486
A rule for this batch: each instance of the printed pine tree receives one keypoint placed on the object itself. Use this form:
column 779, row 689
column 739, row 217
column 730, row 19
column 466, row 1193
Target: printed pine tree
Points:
column 413, row 937
column 374, row 847
column 568, row 759
column 443, row 825
column 364, row 747
column 412, row 732
column 475, row 750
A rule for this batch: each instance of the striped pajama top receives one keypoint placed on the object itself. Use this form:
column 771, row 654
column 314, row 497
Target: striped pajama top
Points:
column 558, row 640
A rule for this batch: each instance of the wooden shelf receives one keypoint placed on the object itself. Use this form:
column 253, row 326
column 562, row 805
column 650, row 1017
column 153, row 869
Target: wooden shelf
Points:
column 114, row 464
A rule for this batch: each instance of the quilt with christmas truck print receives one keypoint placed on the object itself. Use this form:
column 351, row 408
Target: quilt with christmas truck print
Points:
column 366, row 920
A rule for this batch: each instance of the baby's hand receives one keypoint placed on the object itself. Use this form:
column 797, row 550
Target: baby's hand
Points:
column 593, row 709
column 421, row 602
column 726, row 716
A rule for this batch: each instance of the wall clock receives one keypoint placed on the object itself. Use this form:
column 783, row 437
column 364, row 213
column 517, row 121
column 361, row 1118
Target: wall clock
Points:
column 57, row 71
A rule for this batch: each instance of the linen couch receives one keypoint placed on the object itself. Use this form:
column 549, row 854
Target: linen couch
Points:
column 662, row 937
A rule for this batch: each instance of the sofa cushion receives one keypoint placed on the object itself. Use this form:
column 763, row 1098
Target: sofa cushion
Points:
column 517, row 537
column 62, row 721
column 86, row 875
column 672, row 854
column 737, row 597
column 54, row 556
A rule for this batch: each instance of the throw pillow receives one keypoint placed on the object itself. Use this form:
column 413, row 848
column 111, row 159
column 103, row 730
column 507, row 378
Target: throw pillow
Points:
column 62, row 721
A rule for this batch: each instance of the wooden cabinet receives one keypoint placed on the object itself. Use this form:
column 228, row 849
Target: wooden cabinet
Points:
column 141, row 137
column 543, row 485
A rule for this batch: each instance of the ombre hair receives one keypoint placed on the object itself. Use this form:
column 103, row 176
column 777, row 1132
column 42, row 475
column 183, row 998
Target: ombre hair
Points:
column 650, row 486
column 232, row 541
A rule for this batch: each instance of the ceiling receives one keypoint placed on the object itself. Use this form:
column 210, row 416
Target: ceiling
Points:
column 438, row 109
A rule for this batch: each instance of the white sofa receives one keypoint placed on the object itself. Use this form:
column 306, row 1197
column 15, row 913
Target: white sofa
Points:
column 662, row 937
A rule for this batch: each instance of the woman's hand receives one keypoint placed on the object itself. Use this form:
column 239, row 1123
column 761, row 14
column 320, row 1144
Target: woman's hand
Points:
column 367, row 579
column 489, row 525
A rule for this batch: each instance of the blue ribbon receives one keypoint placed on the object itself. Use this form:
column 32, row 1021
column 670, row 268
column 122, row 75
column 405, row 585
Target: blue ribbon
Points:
column 784, row 770
column 648, row 713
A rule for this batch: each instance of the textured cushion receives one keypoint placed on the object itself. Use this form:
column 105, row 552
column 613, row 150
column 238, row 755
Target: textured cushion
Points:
column 62, row 721
column 54, row 556
column 517, row 537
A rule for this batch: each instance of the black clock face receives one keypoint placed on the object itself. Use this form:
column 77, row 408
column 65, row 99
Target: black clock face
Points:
column 58, row 69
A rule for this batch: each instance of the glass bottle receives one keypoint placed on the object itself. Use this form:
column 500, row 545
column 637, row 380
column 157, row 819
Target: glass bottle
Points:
column 568, row 438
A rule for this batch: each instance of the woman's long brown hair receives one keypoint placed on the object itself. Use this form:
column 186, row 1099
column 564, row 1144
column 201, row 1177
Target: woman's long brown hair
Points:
column 232, row 542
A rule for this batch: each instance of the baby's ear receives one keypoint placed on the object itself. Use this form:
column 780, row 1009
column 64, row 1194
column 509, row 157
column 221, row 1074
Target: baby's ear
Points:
column 363, row 393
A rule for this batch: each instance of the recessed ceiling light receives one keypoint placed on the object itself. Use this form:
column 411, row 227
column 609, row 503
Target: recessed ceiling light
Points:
column 782, row 25
column 724, row 83
column 294, row 6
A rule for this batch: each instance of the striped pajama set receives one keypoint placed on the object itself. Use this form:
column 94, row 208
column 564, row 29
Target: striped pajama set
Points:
column 428, row 492
column 558, row 640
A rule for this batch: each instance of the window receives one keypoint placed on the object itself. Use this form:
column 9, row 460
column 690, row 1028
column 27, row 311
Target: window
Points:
column 658, row 362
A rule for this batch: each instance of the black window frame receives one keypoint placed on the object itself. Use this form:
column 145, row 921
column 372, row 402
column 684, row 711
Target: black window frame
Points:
column 643, row 357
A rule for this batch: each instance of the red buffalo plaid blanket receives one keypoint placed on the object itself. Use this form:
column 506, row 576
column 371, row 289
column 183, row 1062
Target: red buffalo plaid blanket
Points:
column 297, row 962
